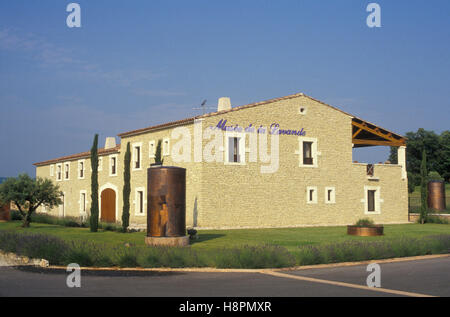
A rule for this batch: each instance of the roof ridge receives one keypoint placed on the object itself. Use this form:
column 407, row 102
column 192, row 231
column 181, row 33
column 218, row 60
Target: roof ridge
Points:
column 101, row 151
column 191, row 119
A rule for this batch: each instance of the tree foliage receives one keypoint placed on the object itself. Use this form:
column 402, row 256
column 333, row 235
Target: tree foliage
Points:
column 437, row 149
column 126, row 189
column 434, row 176
column 444, row 155
column 158, row 155
column 423, row 188
column 93, row 221
column 29, row 194
column 411, row 183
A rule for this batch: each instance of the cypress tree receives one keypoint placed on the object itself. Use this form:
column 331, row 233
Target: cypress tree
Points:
column 126, row 190
column 423, row 188
column 94, row 186
column 158, row 156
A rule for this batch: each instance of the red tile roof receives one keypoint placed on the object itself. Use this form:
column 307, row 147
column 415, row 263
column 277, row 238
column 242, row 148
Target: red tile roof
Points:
column 191, row 120
column 78, row 156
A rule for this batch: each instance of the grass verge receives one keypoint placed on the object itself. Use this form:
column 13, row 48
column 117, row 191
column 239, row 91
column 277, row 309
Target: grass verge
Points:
column 88, row 253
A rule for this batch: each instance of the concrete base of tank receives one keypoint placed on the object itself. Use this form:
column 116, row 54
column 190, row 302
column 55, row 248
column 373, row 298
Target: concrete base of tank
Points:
column 167, row 241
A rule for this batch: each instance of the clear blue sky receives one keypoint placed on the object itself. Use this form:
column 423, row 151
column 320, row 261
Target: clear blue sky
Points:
column 137, row 63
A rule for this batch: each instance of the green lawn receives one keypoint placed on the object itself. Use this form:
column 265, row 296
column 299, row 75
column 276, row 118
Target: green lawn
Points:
column 289, row 238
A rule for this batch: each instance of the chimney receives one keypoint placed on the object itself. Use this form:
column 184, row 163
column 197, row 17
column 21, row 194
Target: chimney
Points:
column 110, row 143
column 224, row 104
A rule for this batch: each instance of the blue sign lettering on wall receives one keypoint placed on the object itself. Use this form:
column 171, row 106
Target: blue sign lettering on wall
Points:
column 274, row 129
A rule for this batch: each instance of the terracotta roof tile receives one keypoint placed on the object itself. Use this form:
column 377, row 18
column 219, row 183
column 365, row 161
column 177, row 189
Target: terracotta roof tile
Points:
column 191, row 120
column 81, row 155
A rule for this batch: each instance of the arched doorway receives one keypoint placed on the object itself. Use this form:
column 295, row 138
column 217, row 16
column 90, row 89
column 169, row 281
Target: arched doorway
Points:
column 108, row 205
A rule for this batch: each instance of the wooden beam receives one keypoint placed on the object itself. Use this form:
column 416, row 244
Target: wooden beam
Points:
column 378, row 142
column 356, row 133
column 376, row 131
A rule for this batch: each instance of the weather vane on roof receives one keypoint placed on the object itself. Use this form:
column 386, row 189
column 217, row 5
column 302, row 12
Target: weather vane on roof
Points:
column 203, row 107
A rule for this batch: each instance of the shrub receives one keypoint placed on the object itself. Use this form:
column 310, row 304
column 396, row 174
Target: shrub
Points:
column 365, row 222
column 54, row 220
column 192, row 233
column 369, row 250
column 15, row 215
column 436, row 219
column 108, row 226
column 35, row 246
column 60, row 252
column 434, row 176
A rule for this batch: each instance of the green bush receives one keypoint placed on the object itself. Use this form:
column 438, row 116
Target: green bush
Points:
column 15, row 215
column 436, row 219
column 370, row 250
column 66, row 221
column 108, row 226
column 414, row 179
column 434, row 176
column 59, row 221
column 365, row 222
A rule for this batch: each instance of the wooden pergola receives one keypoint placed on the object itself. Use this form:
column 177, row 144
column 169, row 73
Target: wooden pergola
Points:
column 368, row 134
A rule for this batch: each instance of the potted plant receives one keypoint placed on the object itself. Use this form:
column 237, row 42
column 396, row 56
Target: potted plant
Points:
column 158, row 157
column 192, row 234
column 365, row 228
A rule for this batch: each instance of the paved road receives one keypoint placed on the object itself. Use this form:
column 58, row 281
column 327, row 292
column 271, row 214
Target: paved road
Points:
column 429, row 277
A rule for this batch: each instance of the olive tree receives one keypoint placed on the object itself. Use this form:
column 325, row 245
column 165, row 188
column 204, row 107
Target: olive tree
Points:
column 29, row 194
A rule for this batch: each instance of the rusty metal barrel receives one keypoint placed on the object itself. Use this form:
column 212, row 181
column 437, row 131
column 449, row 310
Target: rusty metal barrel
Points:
column 5, row 212
column 166, row 197
column 436, row 195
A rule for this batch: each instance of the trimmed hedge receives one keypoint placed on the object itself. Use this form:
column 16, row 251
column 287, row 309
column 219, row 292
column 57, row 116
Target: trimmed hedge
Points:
column 66, row 221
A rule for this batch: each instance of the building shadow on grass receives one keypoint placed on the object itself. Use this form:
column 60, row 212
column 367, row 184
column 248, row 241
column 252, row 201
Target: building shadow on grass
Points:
column 205, row 237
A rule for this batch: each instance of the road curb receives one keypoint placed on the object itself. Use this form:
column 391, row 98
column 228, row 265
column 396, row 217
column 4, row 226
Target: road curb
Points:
column 216, row 270
column 381, row 261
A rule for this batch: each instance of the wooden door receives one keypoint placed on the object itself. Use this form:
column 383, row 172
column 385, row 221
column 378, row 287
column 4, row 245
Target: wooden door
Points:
column 108, row 212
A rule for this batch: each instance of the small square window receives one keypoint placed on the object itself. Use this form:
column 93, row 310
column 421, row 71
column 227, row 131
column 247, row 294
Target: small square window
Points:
column 307, row 153
column 302, row 110
column 233, row 150
column 113, row 165
column 166, row 147
column 371, row 200
column 137, row 157
column 66, row 171
column 140, row 201
column 83, row 201
column 330, row 195
column 81, row 169
column 151, row 149
column 311, row 195
column 59, row 172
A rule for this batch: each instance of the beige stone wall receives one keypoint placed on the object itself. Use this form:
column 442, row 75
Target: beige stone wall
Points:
column 139, row 177
column 240, row 196
column 233, row 196
column 72, row 188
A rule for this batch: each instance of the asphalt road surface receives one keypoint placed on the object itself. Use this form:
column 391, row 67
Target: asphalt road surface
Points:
column 409, row 278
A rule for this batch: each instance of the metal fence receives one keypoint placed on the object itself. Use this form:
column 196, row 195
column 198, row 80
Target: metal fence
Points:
column 415, row 203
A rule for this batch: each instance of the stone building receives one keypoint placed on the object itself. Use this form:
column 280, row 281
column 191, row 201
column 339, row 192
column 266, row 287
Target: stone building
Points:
column 283, row 162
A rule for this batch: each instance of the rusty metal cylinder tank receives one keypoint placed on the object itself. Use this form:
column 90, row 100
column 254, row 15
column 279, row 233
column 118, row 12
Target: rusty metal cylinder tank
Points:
column 166, row 207
column 436, row 195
